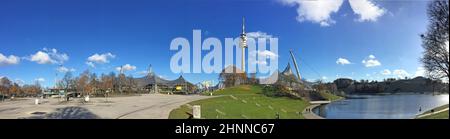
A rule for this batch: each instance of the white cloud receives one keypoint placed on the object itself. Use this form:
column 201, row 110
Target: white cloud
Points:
column 258, row 34
column 342, row 61
column 264, row 54
column 317, row 11
column 90, row 64
column 386, row 72
column 63, row 69
column 366, row 10
column 40, row 80
column 48, row 56
column 400, row 73
column 101, row 58
column 58, row 57
column 41, row 58
column 259, row 62
column 320, row 11
column 420, row 72
column 262, row 57
column 324, row 77
column 126, row 67
column 371, row 61
column 8, row 60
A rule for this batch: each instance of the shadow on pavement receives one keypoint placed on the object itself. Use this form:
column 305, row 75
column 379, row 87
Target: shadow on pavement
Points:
column 68, row 113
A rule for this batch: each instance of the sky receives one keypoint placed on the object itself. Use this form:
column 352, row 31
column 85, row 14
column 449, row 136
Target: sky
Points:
column 357, row 39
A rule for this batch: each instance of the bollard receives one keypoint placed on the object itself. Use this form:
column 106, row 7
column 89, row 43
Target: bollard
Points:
column 86, row 99
column 36, row 101
column 196, row 111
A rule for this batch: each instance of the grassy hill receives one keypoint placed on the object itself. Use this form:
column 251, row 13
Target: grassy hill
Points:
column 330, row 96
column 244, row 102
column 441, row 115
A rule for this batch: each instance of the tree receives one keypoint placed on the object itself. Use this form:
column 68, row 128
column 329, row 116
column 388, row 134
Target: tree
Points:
column 232, row 76
column 435, row 41
column 5, row 84
column 122, row 81
column 108, row 82
column 27, row 89
column 67, row 82
column 93, row 83
column 333, row 88
column 320, row 86
column 31, row 89
column 14, row 89
column 253, row 79
column 82, row 82
column 37, row 89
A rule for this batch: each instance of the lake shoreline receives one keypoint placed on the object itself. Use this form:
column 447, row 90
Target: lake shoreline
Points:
column 312, row 114
column 386, row 106
column 432, row 112
column 399, row 93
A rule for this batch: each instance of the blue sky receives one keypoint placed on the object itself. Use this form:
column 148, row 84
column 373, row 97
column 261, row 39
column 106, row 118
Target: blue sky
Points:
column 383, row 34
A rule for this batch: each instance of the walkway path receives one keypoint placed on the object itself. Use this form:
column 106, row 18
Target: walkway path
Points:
column 431, row 113
column 310, row 114
column 148, row 106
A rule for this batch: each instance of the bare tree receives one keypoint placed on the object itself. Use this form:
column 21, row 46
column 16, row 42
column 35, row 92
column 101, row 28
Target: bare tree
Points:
column 14, row 89
column 67, row 82
column 131, row 84
column 253, row 78
column 107, row 84
column 435, row 41
column 320, row 86
column 5, row 84
column 36, row 88
column 122, row 81
column 93, row 83
column 82, row 82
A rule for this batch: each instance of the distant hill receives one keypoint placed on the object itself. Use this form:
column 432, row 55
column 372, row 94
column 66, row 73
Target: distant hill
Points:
column 417, row 85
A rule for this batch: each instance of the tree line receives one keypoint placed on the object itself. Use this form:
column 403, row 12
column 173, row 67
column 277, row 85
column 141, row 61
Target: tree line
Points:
column 86, row 83
column 10, row 88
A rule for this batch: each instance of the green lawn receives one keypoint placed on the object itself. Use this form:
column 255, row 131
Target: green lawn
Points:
column 239, row 90
column 244, row 102
column 441, row 115
column 330, row 96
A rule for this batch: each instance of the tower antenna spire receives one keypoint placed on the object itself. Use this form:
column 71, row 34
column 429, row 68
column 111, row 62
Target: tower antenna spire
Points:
column 150, row 70
column 243, row 44
column 243, row 25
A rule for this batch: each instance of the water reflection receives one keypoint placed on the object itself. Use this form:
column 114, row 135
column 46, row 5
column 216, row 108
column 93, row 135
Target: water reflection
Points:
column 405, row 106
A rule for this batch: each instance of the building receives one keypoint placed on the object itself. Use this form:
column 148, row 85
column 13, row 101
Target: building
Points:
column 232, row 76
column 155, row 84
column 288, row 78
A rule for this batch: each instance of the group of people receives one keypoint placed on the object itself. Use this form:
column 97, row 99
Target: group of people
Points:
column 308, row 110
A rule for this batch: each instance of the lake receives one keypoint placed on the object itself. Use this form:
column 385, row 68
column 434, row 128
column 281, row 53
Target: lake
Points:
column 398, row 106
